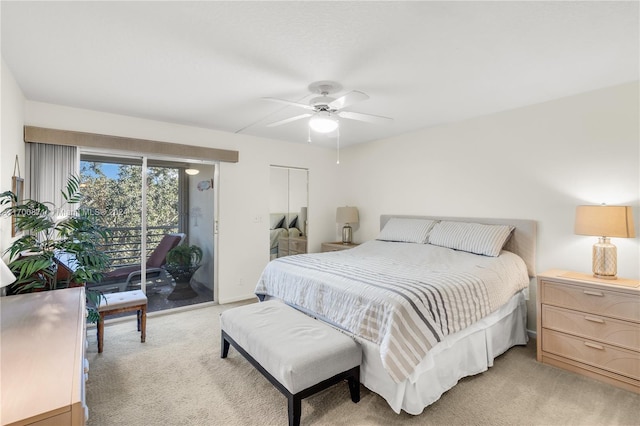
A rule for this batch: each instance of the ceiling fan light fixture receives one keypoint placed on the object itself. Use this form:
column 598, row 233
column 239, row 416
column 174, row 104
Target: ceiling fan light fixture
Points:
column 323, row 122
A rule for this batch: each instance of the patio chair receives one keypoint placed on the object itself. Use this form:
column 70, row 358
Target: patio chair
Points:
column 121, row 278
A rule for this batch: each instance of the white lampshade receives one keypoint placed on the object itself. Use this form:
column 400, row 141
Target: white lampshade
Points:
column 347, row 215
column 604, row 222
column 323, row 122
column 6, row 276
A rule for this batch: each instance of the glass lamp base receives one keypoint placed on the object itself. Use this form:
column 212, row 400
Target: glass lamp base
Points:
column 347, row 234
column 605, row 259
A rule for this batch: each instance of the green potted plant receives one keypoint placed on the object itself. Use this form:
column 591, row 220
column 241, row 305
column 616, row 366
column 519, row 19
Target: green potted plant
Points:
column 47, row 232
column 182, row 262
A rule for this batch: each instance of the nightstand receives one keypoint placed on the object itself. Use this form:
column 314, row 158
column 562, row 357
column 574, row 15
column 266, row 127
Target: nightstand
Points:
column 590, row 326
column 336, row 246
column 288, row 246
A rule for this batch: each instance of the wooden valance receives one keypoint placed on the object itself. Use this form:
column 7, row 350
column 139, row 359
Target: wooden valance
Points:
column 94, row 140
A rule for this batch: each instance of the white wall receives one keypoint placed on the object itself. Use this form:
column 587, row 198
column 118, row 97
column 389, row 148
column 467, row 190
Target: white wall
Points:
column 11, row 143
column 243, row 245
column 537, row 162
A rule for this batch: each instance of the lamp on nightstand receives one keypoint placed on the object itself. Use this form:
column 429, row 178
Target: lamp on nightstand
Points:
column 347, row 215
column 604, row 222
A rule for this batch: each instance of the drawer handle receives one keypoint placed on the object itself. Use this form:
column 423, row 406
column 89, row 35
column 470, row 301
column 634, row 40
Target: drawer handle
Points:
column 598, row 320
column 594, row 346
column 593, row 293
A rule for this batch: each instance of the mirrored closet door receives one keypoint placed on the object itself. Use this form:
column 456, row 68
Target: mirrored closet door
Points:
column 288, row 212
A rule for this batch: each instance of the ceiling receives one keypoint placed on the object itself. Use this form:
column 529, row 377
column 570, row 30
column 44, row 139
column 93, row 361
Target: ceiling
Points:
column 209, row 64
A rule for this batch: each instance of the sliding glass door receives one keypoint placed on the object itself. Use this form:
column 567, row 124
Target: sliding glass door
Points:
column 155, row 244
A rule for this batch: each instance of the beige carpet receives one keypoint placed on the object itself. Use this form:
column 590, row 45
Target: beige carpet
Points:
column 178, row 378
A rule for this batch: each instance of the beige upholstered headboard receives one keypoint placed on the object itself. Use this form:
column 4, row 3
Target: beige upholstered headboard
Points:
column 522, row 241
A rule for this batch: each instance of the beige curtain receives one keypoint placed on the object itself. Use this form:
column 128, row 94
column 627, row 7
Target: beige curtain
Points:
column 48, row 169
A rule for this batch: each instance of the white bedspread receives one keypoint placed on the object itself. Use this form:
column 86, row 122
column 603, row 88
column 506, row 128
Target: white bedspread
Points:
column 403, row 297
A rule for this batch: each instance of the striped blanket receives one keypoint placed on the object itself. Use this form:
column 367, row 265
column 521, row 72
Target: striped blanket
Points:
column 404, row 297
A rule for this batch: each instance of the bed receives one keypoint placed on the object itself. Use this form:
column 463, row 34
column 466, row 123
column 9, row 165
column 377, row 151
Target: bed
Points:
column 430, row 300
column 281, row 225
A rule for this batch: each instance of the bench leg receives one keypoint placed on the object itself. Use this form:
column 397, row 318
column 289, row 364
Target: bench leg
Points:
column 100, row 332
column 354, row 386
column 295, row 409
column 142, row 323
column 224, row 347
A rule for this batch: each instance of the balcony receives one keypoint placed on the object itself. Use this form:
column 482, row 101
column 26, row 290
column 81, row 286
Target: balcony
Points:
column 125, row 245
column 124, row 248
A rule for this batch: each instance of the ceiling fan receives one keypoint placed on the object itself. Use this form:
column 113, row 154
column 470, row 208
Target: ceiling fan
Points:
column 324, row 110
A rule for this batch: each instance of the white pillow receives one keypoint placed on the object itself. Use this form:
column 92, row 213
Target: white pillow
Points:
column 275, row 220
column 475, row 238
column 406, row 230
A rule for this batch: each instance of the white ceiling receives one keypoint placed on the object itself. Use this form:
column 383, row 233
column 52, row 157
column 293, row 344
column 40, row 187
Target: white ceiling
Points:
column 208, row 64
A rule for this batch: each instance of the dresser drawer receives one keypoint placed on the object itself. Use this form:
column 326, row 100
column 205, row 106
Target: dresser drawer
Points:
column 596, row 354
column 607, row 330
column 595, row 301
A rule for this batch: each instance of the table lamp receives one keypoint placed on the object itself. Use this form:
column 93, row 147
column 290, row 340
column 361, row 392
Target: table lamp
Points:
column 604, row 222
column 6, row 276
column 347, row 215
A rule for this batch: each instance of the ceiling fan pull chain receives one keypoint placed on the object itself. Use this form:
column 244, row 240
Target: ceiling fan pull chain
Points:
column 338, row 146
column 309, row 134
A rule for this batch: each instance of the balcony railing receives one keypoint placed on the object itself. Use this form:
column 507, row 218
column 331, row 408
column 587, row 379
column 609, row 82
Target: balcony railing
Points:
column 124, row 246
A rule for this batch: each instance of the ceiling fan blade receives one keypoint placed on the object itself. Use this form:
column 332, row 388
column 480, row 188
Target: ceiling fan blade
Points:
column 349, row 99
column 288, row 120
column 290, row 103
column 369, row 118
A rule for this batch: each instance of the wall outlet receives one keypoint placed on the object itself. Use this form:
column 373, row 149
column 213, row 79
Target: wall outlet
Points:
column 257, row 219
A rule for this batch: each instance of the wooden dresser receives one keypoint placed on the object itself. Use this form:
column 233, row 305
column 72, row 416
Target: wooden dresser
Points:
column 42, row 361
column 288, row 246
column 590, row 326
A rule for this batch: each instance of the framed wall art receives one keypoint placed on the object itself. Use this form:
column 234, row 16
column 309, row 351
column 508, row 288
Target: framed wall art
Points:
column 17, row 187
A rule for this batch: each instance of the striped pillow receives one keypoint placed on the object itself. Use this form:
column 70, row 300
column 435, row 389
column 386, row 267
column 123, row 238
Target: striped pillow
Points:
column 475, row 238
column 406, row 230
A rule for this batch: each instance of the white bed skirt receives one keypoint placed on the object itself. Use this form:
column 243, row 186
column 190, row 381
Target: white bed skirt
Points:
column 468, row 352
column 465, row 353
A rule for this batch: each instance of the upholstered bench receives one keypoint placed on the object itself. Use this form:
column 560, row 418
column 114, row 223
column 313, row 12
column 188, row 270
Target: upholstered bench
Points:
column 124, row 301
column 299, row 355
